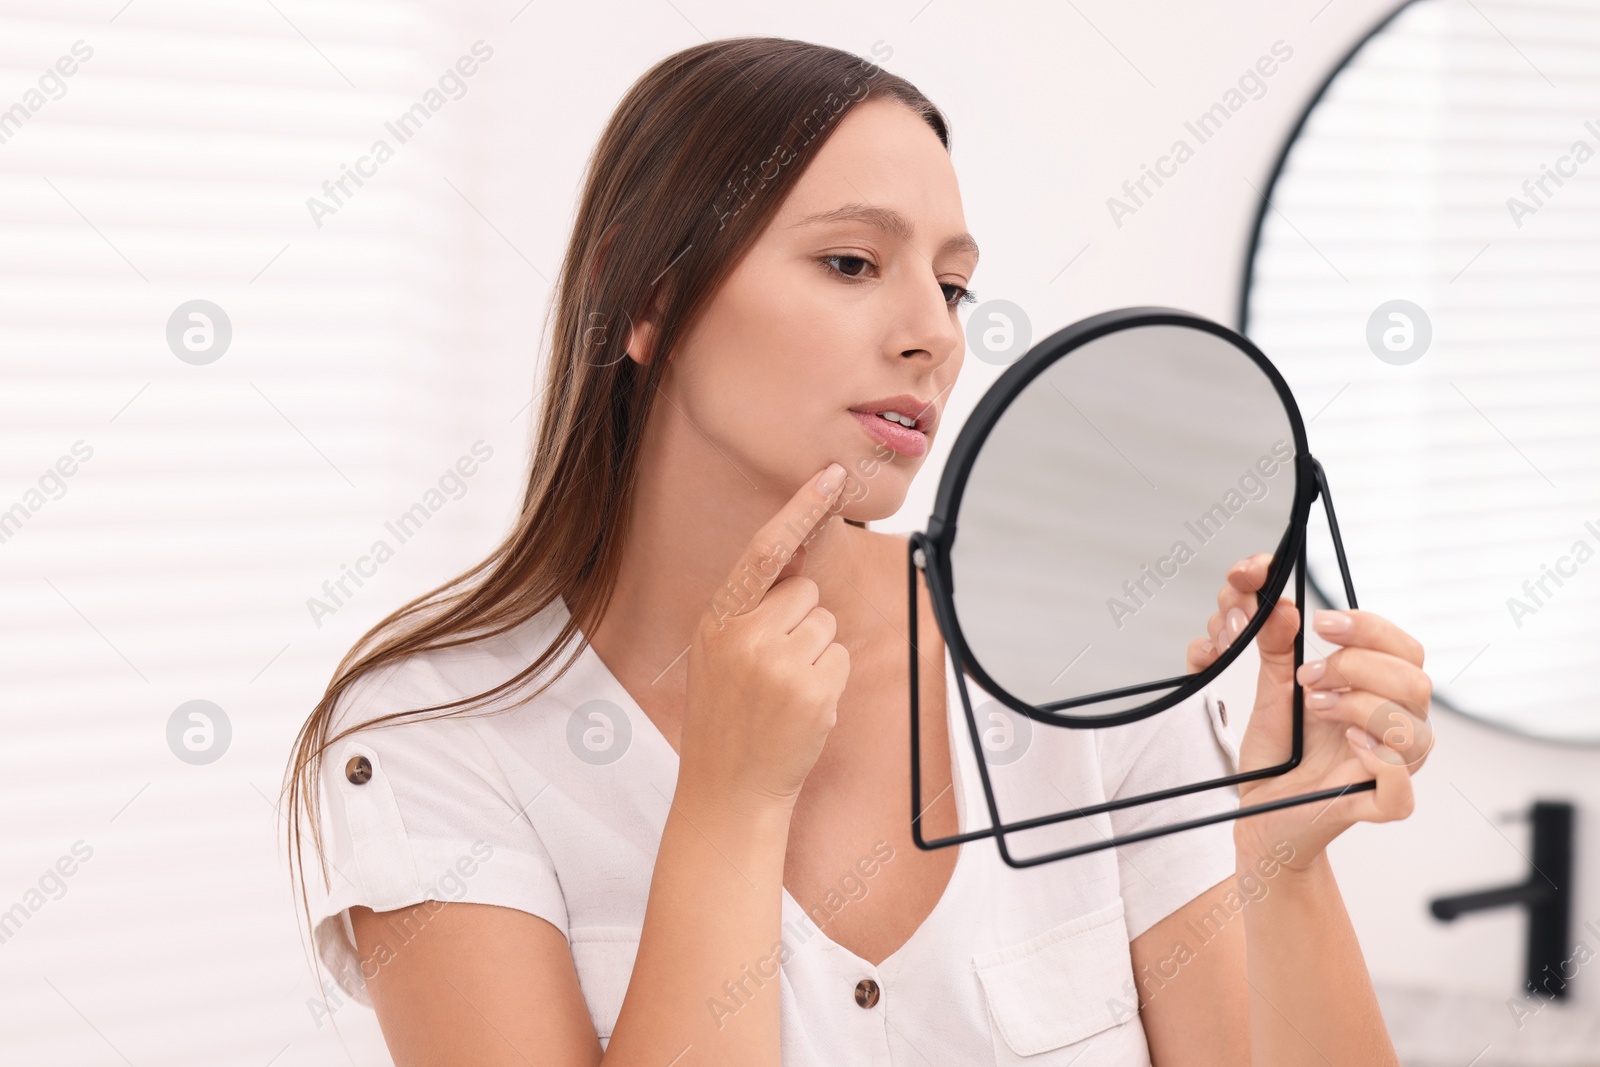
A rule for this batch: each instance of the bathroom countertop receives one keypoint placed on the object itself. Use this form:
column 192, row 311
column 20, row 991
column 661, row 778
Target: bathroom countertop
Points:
column 1447, row 1028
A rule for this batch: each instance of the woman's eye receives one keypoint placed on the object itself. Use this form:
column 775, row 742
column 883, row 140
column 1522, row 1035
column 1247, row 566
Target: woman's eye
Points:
column 961, row 295
column 845, row 259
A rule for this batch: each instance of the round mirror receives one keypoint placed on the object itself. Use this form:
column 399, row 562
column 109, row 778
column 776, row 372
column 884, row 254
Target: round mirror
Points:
column 1424, row 277
column 1096, row 500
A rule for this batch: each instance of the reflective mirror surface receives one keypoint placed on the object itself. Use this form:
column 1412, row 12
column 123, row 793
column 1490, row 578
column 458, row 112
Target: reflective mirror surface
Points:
column 1106, row 506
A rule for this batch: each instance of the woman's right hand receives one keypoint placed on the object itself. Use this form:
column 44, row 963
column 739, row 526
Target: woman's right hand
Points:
column 765, row 674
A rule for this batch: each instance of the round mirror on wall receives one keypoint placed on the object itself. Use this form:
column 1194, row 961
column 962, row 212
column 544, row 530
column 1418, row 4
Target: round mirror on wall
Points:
column 1425, row 274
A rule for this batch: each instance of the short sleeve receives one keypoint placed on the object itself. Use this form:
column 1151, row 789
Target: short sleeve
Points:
column 417, row 810
column 1184, row 744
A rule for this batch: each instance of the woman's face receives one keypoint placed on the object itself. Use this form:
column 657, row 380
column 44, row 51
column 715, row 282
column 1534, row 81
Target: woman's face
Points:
column 826, row 315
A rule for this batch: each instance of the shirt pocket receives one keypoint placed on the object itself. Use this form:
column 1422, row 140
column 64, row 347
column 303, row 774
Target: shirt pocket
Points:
column 603, row 957
column 1050, row 993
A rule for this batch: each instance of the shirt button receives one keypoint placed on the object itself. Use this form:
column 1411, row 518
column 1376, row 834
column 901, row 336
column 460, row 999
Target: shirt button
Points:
column 358, row 770
column 866, row 992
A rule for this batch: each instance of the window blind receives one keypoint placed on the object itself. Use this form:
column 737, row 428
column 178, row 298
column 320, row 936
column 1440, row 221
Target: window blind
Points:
column 184, row 482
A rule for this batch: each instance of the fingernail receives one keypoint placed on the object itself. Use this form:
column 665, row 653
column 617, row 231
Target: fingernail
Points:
column 1358, row 736
column 1311, row 670
column 1207, row 648
column 1321, row 699
column 1331, row 622
column 1237, row 621
column 830, row 479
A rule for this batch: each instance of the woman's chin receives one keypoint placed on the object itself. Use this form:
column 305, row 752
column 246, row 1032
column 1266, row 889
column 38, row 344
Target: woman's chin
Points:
column 874, row 498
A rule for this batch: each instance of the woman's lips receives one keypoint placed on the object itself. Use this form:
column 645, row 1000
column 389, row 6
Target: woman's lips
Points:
column 903, row 439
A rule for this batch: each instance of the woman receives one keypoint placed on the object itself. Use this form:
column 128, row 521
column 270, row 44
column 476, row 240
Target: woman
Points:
column 689, row 844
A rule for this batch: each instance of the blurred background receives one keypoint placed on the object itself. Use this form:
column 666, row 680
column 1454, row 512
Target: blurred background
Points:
column 274, row 276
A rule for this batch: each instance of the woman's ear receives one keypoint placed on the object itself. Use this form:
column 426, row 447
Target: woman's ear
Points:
column 642, row 342
column 644, row 332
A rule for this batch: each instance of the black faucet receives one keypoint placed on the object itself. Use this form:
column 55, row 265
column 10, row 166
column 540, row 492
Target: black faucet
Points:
column 1547, row 894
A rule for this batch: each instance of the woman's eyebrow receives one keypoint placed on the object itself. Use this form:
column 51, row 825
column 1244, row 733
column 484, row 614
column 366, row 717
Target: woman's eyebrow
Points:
column 889, row 221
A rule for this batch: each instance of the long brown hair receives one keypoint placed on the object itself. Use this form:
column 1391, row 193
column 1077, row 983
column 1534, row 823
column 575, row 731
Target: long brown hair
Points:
column 693, row 164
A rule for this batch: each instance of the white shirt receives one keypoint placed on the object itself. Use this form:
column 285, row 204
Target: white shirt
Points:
column 556, row 807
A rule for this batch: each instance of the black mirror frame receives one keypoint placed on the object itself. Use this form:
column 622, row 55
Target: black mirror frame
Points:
column 929, row 551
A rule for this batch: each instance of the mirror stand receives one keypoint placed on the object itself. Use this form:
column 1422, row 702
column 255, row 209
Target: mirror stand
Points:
column 921, row 547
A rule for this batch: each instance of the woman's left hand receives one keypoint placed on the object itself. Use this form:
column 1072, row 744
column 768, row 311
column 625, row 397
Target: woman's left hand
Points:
column 1366, row 717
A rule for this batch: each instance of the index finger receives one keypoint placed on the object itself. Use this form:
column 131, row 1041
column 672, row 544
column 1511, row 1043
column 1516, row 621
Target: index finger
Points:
column 775, row 543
